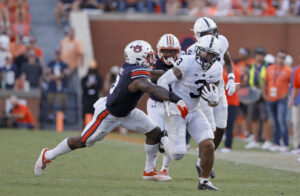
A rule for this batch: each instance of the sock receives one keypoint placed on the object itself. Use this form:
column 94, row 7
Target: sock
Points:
column 167, row 146
column 198, row 162
column 151, row 153
column 202, row 180
column 166, row 163
column 60, row 149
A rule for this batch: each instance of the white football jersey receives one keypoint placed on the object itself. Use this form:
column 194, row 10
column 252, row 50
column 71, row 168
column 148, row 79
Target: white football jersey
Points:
column 223, row 43
column 193, row 78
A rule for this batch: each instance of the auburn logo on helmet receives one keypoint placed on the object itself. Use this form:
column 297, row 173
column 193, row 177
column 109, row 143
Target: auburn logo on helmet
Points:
column 137, row 48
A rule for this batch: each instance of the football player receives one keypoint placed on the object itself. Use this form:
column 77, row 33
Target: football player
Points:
column 168, row 51
column 119, row 109
column 192, row 77
column 217, row 116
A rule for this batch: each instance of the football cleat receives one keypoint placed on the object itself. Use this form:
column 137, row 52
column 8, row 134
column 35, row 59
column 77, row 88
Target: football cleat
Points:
column 199, row 170
column 207, row 185
column 153, row 175
column 41, row 163
column 164, row 173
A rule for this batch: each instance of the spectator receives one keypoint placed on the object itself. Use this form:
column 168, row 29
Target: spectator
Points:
column 93, row 4
column 63, row 8
column 130, row 6
column 257, row 111
column 33, row 46
column 233, row 105
column 17, row 47
column 295, row 104
column 8, row 73
column 20, row 26
column 110, row 78
column 21, row 114
column 92, row 85
column 4, row 47
column 278, row 77
column 32, row 71
column 71, row 51
column 4, row 14
column 56, row 73
column 244, row 60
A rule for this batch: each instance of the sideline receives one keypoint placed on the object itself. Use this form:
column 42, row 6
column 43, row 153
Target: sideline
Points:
column 280, row 161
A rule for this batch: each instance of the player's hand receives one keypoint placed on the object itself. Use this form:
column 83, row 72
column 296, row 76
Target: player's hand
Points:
column 183, row 108
column 231, row 86
column 211, row 94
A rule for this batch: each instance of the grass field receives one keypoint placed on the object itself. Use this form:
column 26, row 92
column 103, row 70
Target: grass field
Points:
column 114, row 168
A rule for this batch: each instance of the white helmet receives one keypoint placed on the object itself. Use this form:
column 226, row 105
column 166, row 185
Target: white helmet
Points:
column 288, row 60
column 204, row 26
column 210, row 46
column 270, row 59
column 139, row 52
column 168, row 48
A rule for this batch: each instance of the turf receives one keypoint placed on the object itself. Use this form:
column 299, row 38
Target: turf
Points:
column 115, row 168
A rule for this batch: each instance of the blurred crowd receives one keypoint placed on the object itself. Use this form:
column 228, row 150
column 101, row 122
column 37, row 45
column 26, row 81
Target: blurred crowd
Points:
column 211, row 8
column 267, row 103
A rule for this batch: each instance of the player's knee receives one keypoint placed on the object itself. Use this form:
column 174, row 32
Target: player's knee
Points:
column 207, row 145
column 153, row 136
column 76, row 142
column 178, row 156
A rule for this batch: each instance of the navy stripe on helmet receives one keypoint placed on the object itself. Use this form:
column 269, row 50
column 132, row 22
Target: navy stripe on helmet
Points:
column 206, row 22
column 211, row 41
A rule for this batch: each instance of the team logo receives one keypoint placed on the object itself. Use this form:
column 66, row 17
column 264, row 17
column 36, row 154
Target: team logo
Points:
column 137, row 48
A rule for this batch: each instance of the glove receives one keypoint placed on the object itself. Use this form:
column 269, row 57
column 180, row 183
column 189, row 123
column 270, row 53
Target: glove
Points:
column 211, row 94
column 230, row 86
column 183, row 108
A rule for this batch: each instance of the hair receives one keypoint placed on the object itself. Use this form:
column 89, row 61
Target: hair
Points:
column 282, row 51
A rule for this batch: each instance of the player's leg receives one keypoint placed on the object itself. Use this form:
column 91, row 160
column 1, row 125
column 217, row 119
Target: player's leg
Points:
column 220, row 116
column 209, row 115
column 139, row 121
column 201, row 132
column 155, row 111
column 96, row 130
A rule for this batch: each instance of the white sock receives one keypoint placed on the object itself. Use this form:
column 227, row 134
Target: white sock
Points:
column 198, row 162
column 167, row 146
column 60, row 149
column 202, row 180
column 166, row 162
column 151, row 153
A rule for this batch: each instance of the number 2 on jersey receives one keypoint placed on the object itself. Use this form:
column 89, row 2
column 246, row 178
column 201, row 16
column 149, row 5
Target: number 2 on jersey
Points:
column 201, row 83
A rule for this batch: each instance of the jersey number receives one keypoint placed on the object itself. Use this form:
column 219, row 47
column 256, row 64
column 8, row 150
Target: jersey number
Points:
column 113, row 86
column 201, row 83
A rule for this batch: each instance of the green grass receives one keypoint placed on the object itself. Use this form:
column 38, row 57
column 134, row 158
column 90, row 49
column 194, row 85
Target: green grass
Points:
column 115, row 168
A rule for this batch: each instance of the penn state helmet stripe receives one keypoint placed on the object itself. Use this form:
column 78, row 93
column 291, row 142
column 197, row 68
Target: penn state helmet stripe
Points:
column 206, row 22
column 211, row 41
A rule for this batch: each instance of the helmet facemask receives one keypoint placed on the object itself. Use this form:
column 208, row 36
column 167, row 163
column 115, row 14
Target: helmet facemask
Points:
column 205, row 57
column 147, row 60
column 168, row 55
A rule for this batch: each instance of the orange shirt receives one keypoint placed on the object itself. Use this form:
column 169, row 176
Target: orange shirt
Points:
column 17, row 49
column 233, row 99
column 296, row 83
column 23, row 109
column 71, row 52
column 278, row 79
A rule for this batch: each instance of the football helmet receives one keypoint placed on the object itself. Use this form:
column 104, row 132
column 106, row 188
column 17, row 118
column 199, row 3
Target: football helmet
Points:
column 139, row 52
column 168, row 48
column 207, row 51
column 204, row 26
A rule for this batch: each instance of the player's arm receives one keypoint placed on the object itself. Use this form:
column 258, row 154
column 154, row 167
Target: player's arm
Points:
column 228, row 63
column 155, row 74
column 171, row 76
column 146, row 86
column 231, row 85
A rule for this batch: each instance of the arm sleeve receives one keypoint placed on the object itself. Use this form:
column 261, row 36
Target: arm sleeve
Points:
column 140, row 73
column 296, row 83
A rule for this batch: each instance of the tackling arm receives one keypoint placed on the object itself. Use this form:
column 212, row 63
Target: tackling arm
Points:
column 155, row 74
